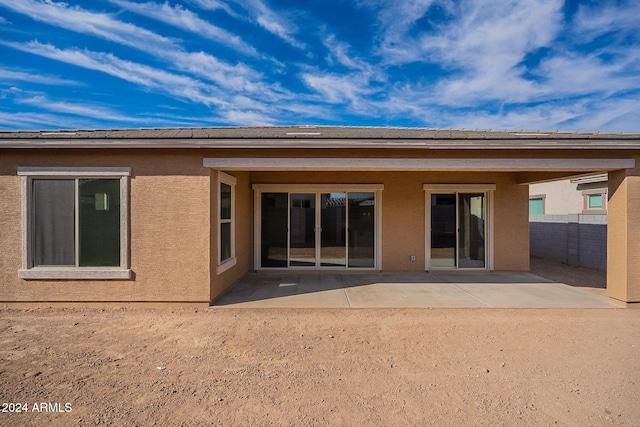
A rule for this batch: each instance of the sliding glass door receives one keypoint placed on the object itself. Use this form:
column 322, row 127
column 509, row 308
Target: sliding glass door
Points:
column 458, row 229
column 317, row 230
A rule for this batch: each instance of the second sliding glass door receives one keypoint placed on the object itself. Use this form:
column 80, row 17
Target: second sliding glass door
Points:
column 320, row 229
column 458, row 230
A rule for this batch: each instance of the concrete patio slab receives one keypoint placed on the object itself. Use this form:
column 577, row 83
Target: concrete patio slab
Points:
column 536, row 295
column 406, row 290
column 400, row 295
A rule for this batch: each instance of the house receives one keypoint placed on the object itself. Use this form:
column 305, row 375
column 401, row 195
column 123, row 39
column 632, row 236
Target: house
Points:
column 568, row 221
column 584, row 196
column 179, row 215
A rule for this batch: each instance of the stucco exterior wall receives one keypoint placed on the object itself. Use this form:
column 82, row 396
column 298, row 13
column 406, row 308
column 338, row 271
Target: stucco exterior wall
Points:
column 173, row 223
column 623, row 242
column 403, row 212
column 169, row 228
column 564, row 197
column 561, row 197
column 243, row 234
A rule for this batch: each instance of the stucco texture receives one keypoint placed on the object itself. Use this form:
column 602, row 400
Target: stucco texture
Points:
column 169, row 229
column 403, row 212
column 623, row 242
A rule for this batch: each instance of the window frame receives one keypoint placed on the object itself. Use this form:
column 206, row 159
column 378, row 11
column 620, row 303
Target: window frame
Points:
column 542, row 197
column 586, row 194
column 488, row 190
column 28, row 270
column 224, row 265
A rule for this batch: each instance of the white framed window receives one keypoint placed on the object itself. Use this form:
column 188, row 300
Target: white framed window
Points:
column 226, row 222
column 595, row 202
column 75, row 223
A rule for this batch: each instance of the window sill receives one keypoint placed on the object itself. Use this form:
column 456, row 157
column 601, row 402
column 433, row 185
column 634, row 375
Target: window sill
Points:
column 75, row 273
column 227, row 264
column 594, row 212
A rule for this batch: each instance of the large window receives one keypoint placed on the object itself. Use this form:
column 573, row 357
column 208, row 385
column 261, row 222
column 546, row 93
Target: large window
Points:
column 75, row 223
column 226, row 222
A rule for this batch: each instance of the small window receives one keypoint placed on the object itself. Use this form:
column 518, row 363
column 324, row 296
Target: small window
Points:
column 75, row 223
column 226, row 222
column 536, row 206
column 595, row 201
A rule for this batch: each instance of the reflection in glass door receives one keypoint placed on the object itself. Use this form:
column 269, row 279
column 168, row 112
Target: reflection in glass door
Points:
column 274, row 230
column 302, row 230
column 443, row 230
column 362, row 230
column 458, row 230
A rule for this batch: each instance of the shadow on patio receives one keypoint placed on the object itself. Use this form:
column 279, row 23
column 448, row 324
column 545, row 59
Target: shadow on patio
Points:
column 406, row 290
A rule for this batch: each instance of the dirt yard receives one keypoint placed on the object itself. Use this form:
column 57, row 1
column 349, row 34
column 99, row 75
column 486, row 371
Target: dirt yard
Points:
column 321, row 367
column 222, row 366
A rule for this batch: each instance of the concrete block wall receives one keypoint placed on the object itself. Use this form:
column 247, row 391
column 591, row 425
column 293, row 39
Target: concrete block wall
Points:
column 579, row 240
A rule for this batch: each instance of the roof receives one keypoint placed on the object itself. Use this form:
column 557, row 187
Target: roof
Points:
column 317, row 137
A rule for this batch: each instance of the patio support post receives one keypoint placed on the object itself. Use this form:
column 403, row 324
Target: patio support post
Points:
column 623, row 236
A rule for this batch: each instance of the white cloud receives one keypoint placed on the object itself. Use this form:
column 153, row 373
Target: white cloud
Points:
column 33, row 121
column 186, row 20
column 274, row 22
column 98, row 24
column 230, row 107
column 246, row 118
column 397, row 19
column 591, row 21
column 83, row 109
column 340, row 52
column 7, row 74
column 181, row 87
column 574, row 74
column 200, row 64
column 487, row 44
column 352, row 90
column 213, row 5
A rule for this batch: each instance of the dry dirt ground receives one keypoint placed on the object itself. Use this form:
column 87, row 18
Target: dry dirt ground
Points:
column 223, row 366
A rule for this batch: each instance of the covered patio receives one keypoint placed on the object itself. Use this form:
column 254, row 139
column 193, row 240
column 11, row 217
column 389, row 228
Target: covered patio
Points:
column 406, row 290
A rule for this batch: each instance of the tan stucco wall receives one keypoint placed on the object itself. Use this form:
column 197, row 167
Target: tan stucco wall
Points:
column 403, row 210
column 173, row 201
column 623, row 235
column 169, row 228
column 243, row 233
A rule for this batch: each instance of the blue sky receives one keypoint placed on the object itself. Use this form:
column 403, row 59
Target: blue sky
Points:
column 488, row 64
